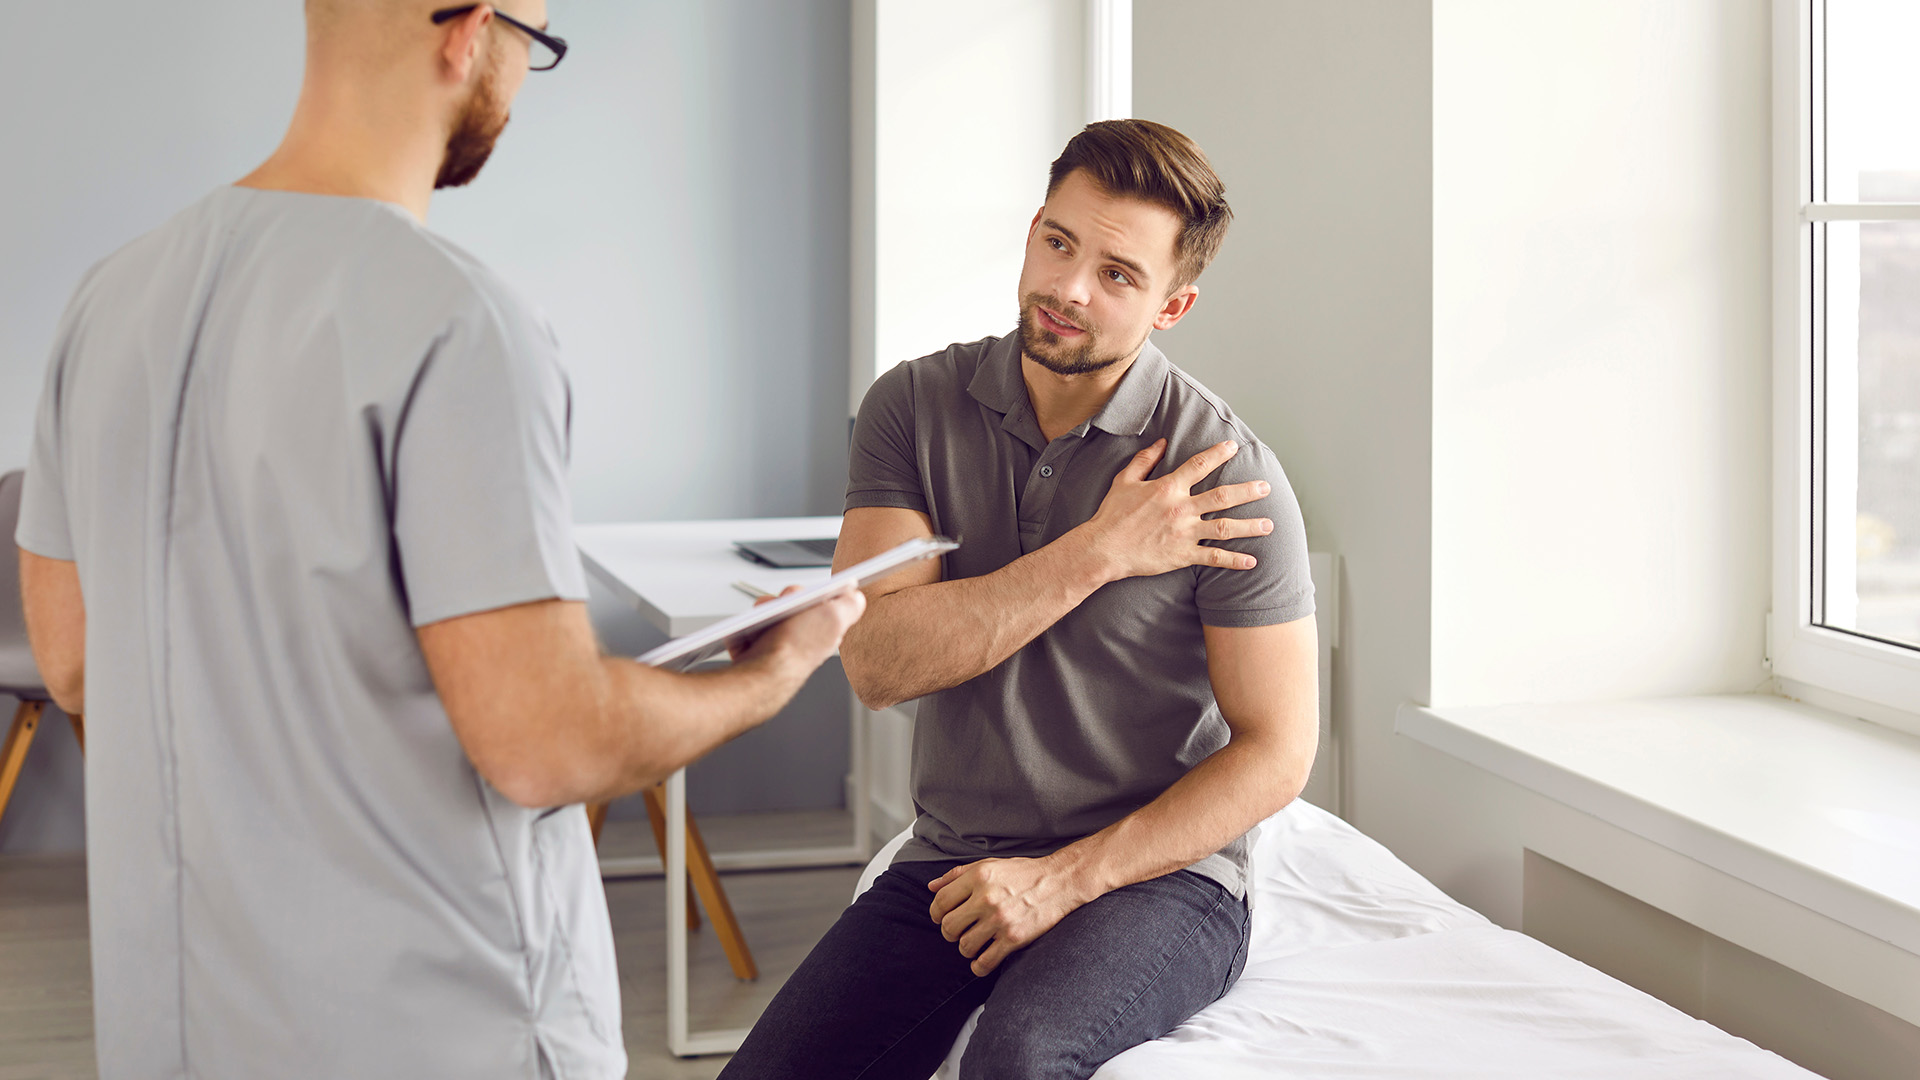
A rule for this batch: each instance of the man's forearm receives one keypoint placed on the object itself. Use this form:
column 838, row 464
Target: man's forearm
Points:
column 1234, row 789
column 931, row 637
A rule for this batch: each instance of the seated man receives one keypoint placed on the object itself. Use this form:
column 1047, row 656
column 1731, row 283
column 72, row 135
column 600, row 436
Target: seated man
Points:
column 1116, row 680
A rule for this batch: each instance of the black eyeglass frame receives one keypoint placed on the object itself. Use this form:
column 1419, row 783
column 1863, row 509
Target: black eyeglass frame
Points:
column 558, row 45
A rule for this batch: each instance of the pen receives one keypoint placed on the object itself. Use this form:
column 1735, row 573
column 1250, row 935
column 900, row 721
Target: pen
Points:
column 751, row 589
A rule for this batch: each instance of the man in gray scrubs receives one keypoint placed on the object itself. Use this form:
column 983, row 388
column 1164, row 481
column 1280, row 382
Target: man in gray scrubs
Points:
column 1116, row 681
column 305, row 462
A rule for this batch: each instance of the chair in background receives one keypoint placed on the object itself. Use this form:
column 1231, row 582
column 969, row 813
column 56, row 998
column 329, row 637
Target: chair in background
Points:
column 19, row 675
column 702, row 878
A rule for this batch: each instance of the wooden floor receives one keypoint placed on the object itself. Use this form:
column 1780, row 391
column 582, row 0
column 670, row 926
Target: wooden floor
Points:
column 46, row 1006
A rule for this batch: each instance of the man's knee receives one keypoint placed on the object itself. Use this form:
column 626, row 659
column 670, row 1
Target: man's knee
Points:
column 1017, row 1050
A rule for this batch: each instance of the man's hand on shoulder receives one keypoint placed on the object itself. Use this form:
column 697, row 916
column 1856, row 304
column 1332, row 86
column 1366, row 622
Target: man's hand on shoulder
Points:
column 993, row 907
column 1147, row 527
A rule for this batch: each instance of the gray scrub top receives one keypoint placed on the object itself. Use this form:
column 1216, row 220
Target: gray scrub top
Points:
column 277, row 434
column 1109, row 706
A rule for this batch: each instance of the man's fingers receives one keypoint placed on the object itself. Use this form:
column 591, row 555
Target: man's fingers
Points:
column 984, row 964
column 1196, row 468
column 955, row 924
column 949, row 897
column 849, row 606
column 1143, row 462
column 1234, row 528
column 1224, row 558
column 1228, row 496
column 945, row 879
column 977, row 937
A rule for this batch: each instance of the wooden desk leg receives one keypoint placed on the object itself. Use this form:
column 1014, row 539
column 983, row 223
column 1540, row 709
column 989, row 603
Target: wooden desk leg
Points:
column 79, row 732
column 26, row 720
column 657, row 817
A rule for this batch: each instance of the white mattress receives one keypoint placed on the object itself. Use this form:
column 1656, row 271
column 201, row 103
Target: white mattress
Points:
column 1361, row 969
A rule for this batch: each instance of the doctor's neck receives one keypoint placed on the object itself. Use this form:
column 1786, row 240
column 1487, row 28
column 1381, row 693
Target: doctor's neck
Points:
column 381, row 99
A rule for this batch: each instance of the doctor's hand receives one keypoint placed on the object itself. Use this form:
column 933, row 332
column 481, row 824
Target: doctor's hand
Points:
column 804, row 640
column 992, row 907
column 1146, row 527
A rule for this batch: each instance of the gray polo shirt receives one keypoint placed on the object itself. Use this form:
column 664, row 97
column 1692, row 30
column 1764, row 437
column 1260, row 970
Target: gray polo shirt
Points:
column 278, row 433
column 1108, row 707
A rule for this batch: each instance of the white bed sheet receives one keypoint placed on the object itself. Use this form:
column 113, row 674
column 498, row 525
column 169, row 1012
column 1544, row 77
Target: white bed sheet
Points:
column 1361, row 969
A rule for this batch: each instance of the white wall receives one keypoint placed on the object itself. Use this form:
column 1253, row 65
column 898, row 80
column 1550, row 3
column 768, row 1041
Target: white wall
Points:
column 674, row 196
column 1601, row 375
column 967, row 105
column 1601, row 349
column 1499, row 301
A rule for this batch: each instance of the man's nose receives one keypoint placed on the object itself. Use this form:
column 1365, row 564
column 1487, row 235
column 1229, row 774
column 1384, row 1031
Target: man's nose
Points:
column 1075, row 287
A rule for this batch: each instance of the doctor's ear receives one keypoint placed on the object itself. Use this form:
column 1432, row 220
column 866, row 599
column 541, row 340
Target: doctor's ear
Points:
column 463, row 44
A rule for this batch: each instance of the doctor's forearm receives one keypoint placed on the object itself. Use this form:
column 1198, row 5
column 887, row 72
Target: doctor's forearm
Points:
column 931, row 637
column 655, row 721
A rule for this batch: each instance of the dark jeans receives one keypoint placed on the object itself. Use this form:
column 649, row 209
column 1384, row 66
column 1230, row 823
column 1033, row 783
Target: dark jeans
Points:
column 884, row 995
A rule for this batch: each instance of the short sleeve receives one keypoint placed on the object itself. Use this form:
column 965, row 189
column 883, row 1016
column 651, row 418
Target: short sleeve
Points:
column 882, row 465
column 1279, row 589
column 482, row 518
column 44, row 527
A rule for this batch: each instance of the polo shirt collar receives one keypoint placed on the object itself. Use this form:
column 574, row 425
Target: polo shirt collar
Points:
column 998, row 385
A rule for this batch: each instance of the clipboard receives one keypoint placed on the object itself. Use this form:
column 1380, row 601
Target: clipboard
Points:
column 689, row 650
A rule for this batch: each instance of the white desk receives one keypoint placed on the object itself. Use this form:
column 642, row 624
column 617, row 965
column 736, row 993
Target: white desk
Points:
column 680, row 576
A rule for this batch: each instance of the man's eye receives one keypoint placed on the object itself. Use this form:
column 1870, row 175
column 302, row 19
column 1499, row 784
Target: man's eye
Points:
column 1056, row 243
column 1119, row 277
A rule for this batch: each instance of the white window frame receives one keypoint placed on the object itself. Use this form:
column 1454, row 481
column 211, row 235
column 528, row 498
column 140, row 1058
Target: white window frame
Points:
column 1837, row 670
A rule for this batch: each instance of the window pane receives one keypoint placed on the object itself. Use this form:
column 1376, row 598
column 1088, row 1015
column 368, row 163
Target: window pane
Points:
column 1871, row 454
column 1872, row 94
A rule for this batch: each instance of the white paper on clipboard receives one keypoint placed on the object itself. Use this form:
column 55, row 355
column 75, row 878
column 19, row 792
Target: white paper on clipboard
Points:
column 684, row 652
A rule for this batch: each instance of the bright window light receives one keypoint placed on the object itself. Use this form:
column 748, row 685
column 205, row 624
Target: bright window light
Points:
column 1865, row 367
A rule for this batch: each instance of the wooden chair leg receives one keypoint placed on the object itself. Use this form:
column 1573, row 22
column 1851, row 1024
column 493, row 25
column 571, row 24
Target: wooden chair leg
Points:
column 79, row 732
column 707, row 880
column 26, row 720
column 657, row 817
column 702, row 877
column 596, row 817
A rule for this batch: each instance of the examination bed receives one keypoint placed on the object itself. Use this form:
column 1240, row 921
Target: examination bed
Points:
column 1361, row 969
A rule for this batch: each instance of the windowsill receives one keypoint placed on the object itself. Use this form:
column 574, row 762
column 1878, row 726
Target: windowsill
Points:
column 1811, row 806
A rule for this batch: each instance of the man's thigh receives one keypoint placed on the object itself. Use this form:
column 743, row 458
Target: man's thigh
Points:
column 1124, row 969
column 882, row 994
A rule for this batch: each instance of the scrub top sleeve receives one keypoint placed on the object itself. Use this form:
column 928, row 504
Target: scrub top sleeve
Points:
column 482, row 518
column 882, row 464
column 1279, row 589
column 44, row 528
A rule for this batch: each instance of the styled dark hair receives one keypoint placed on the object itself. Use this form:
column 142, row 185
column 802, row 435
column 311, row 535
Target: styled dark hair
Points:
column 1154, row 163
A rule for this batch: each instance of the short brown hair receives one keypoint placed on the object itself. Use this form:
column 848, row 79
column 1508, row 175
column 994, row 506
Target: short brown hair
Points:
column 1154, row 163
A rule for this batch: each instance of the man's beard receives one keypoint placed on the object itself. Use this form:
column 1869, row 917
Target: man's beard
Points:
column 1051, row 351
column 474, row 132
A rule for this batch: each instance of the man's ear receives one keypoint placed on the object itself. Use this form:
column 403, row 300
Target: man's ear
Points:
column 462, row 46
column 1177, row 306
column 1035, row 223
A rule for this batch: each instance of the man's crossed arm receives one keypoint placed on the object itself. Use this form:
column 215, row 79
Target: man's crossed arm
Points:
column 922, row 634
